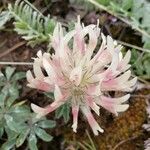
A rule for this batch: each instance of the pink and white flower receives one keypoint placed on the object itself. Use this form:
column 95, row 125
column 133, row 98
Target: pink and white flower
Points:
column 76, row 74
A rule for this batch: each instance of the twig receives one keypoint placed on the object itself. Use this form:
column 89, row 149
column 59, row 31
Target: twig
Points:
column 91, row 141
column 122, row 19
column 12, row 49
column 140, row 79
column 33, row 7
column 134, row 46
column 16, row 63
column 124, row 141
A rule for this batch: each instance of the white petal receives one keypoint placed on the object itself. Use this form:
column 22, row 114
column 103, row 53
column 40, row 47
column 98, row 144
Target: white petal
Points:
column 124, row 77
column 49, row 69
column 39, row 54
column 29, row 76
column 37, row 69
column 132, row 82
column 76, row 75
column 57, row 93
column 110, row 44
column 121, row 108
column 39, row 110
column 75, row 110
column 122, row 99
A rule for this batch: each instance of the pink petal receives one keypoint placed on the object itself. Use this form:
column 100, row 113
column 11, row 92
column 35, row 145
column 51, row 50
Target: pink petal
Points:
column 41, row 85
column 114, row 105
column 90, row 102
column 93, row 90
column 48, row 109
column 79, row 43
column 36, row 83
column 94, row 125
column 119, row 83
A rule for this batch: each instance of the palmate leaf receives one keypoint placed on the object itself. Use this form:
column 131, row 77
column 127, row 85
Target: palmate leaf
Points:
column 63, row 111
column 22, row 137
column 9, row 72
column 9, row 145
column 32, row 142
column 30, row 23
column 42, row 134
column 47, row 124
column 141, row 65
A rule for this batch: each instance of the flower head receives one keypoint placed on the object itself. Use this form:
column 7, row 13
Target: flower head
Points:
column 76, row 74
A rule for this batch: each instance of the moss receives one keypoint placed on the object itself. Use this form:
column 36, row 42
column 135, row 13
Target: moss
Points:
column 125, row 130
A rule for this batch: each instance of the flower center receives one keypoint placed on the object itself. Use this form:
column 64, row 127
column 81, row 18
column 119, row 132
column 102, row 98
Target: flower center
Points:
column 77, row 91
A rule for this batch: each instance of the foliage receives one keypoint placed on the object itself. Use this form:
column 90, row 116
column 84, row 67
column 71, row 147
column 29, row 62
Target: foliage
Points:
column 136, row 12
column 140, row 64
column 63, row 111
column 4, row 17
column 30, row 23
column 83, row 4
column 16, row 119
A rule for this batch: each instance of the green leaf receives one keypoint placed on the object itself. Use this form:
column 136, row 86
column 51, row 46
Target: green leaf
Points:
column 50, row 95
column 12, row 124
column 104, row 2
column 1, row 131
column 47, row 124
column 20, row 112
column 9, row 71
column 10, row 133
column 42, row 134
column 59, row 112
column 66, row 114
column 146, row 17
column 4, row 17
column 32, row 142
column 127, row 4
column 2, row 98
column 8, row 145
column 2, row 79
column 147, row 67
column 18, row 76
column 13, row 95
column 64, row 111
column 30, row 23
column 22, row 137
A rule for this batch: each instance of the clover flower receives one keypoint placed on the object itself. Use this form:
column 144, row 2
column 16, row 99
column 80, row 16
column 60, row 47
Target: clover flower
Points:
column 80, row 73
